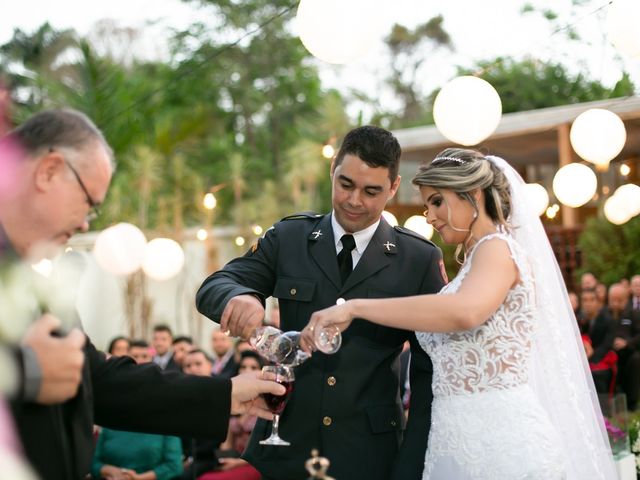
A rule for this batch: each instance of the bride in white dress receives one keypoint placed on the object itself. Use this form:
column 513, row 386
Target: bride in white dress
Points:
column 513, row 394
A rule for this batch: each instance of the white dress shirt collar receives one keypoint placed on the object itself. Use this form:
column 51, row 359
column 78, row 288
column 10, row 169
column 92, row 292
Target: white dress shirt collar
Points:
column 362, row 238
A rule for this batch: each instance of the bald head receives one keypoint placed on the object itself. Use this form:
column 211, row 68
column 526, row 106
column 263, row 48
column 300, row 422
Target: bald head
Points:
column 618, row 297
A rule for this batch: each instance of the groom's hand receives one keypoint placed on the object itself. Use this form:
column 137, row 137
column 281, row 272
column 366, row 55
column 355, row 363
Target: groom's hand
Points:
column 242, row 315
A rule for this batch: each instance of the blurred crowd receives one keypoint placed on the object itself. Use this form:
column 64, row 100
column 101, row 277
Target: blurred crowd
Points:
column 609, row 322
column 141, row 456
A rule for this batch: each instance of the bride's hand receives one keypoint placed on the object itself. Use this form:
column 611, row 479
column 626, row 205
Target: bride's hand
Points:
column 340, row 316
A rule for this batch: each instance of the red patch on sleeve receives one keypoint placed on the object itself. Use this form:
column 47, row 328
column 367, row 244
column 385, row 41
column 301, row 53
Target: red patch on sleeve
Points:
column 443, row 271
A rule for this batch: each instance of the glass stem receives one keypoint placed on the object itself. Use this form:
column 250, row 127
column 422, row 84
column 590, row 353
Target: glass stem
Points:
column 274, row 427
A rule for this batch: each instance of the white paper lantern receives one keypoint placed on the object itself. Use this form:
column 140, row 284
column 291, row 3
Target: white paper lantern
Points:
column 616, row 211
column 598, row 135
column 538, row 197
column 338, row 31
column 622, row 26
column 419, row 224
column 120, row 249
column 390, row 218
column 163, row 259
column 629, row 193
column 575, row 184
column 467, row 110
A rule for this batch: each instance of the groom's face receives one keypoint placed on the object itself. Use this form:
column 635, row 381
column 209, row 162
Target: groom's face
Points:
column 360, row 192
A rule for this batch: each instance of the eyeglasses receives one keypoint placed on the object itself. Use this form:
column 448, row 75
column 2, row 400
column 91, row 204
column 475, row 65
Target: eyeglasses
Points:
column 93, row 206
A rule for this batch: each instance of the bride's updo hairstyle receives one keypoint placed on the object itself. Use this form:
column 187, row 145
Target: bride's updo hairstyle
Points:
column 462, row 171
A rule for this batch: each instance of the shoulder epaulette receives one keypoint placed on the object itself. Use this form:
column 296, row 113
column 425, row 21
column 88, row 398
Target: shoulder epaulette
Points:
column 302, row 216
column 407, row 231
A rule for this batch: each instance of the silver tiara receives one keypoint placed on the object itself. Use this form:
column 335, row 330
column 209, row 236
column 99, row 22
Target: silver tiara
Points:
column 453, row 159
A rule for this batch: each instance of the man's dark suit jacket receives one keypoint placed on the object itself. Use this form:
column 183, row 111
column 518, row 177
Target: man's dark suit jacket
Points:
column 628, row 327
column 602, row 332
column 172, row 366
column 229, row 370
column 346, row 405
column 117, row 393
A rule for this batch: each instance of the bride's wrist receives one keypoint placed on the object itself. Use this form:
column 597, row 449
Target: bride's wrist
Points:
column 352, row 308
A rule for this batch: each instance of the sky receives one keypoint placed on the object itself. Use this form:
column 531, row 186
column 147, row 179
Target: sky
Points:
column 480, row 30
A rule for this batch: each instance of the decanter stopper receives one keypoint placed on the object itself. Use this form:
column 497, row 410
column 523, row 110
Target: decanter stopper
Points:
column 317, row 466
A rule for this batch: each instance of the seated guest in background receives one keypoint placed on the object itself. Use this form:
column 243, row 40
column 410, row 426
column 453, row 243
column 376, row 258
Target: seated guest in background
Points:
column 224, row 364
column 598, row 329
column 200, row 454
column 197, row 362
column 601, row 293
column 626, row 342
column 136, row 456
column 574, row 300
column 242, row 346
column 162, row 339
column 140, row 351
column 119, row 346
column 588, row 281
column 231, row 466
column 181, row 345
column 634, row 301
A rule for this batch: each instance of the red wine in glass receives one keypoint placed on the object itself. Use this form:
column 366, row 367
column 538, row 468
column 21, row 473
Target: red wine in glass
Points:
column 276, row 403
column 282, row 374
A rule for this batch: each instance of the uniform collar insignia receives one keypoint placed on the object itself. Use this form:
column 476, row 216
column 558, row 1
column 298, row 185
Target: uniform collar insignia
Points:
column 389, row 247
column 316, row 235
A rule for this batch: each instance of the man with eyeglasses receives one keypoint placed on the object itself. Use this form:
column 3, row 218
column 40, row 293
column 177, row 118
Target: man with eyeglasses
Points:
column 60, row 167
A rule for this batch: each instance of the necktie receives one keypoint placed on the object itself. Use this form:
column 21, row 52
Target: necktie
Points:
column 345, row 261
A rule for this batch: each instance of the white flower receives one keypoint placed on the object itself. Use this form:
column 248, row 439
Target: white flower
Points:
column 13, row 467
column 26, row 294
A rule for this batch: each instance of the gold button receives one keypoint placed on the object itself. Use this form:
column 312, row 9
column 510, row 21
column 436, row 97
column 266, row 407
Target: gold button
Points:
column 331, row 381
column 393, row 423
column 293, row 291
column 327, row 421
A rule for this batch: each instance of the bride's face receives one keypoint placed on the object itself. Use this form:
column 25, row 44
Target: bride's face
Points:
column 449, row 214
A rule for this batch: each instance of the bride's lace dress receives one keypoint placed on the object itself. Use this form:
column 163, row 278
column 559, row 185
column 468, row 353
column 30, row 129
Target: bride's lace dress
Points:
column 486, row 422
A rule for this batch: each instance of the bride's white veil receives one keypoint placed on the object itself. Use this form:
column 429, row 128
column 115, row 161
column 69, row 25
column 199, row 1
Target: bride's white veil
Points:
column 560, row 374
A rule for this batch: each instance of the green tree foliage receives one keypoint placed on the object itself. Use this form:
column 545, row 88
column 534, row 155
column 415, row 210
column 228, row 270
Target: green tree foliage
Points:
column 610, row 251
column 529, row 84
column 409, row 49
column 245, row 115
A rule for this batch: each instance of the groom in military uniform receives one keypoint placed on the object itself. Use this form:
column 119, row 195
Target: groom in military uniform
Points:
column 345, row 405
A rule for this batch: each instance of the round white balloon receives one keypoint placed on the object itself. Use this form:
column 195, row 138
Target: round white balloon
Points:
column 622, row 26
column 467, row 110
column 390, row 218
column 163, row 259
column 575, row 184
column 120, row 249
column 538, row 197
column 338, row 31
column 419, row 224
column 598, row 135
column 616, row 211
column 630, row 195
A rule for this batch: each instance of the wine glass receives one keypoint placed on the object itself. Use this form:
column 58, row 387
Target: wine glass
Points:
column 327, row 339
column 270, row 343
column 283, row 374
